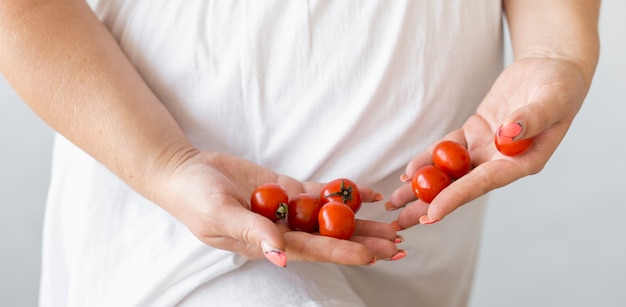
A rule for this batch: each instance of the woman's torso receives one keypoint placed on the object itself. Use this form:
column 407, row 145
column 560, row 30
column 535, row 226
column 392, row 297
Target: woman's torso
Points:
column 313, row 89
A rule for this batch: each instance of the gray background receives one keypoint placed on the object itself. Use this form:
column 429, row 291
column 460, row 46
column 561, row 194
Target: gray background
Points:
column 554, row 239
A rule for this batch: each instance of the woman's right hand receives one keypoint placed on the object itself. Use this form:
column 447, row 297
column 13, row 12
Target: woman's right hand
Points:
column 90, row 92
column 210, row 194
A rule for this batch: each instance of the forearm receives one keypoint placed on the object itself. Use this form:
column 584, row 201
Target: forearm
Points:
column 561, row 29
column 69, row 69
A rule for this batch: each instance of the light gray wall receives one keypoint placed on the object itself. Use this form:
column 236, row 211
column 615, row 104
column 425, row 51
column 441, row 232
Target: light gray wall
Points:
column 554, row 239
column 25, row 150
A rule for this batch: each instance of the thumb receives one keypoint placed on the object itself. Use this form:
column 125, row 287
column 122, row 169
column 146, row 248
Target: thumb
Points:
column 547, row 107
column 256, row 230
column 524, row 123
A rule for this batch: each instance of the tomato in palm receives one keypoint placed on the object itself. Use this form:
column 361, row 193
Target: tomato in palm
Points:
column 344, row 191
column 452, row 158
column 428, row 182
column 336, row 220
column 303, row 210
column 270, row 200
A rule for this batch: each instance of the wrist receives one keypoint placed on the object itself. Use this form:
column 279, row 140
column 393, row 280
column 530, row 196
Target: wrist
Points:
column 162, row 168
column 584, row 61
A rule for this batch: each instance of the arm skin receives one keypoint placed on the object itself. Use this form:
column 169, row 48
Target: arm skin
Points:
column 69, row 69
column 556, row 49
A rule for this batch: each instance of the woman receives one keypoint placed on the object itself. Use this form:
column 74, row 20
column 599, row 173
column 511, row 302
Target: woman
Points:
column 169, row 114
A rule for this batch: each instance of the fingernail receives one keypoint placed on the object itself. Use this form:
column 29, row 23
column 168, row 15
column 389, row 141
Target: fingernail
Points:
column 424, row 219
column 508, row 133
column 371, row 262
column 378, row 197
column 399, row 255
column 274, row 255
column 399, row 239
column 405, row 178
column 396, row 226
column 390, row 207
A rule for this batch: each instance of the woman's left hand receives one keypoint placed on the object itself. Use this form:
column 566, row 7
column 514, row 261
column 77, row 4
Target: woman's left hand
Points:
column 535, row 97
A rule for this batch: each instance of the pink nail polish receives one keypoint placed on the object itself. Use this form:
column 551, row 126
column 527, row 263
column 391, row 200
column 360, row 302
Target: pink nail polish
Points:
column 274, row 255
column 405, row 178
column 398, row 239
column 396, row 226
column 508, row 133
column 399, row 255
column 378, row 197
column 425, row 220
column 389, row 206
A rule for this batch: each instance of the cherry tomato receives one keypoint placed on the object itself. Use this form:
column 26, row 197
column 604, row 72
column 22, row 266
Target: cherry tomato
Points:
column 452, row 158
column 512, row 149
column 428, row 182
column 303, row 211
column 344, row 191
column 504, row 140
column 270, row 200
column 336, row 220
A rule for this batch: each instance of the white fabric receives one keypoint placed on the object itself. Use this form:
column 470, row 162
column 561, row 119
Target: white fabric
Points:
column 313, row 89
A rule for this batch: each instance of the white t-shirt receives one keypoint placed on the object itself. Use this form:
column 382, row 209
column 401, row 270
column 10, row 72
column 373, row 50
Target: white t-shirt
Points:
column 316, row 90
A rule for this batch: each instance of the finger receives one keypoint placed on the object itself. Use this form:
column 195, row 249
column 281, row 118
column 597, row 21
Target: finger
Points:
column 368, row 195
column 367, row 228
column 359, row 250
column 404, row 194
column 547, row 107
column 410, row 215
column 400, row 197
column 254, row 229
column 422, row 159
column 484, row 178
column 380, row 248
column 302, row 246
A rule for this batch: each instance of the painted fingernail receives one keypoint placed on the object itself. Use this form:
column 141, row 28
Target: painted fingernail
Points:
column 424, row 219
column 378, row 197
column 396, row 226
column 398, row 239
column 390, row 207
column 508, row 133
column 274, row 255
column 405, row 178
column 399, row 255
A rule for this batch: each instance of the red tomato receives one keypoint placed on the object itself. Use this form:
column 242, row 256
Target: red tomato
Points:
column 428, row 182
column 452, row 158
column 336, row 220
column 344, row 191
column 270, row 200
column 303, row 210
column 511, row 149
column 504, row 140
